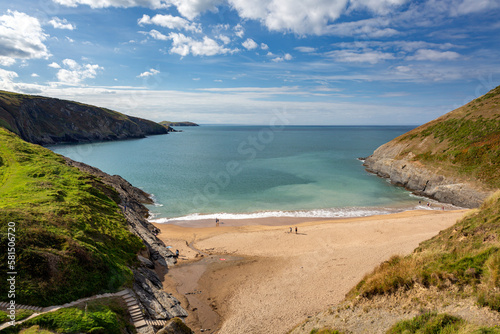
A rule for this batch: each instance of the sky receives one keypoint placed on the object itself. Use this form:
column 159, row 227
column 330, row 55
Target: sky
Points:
column 312, row 62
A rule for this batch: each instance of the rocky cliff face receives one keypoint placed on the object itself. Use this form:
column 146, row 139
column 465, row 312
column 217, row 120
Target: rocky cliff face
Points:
column 44, row 121
column 422, row 180
column 156, row 303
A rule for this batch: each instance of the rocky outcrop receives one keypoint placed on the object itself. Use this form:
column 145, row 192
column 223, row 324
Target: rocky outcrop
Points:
column 156, row 303
column 168, row 123
column 420, row 179
column 45, row 121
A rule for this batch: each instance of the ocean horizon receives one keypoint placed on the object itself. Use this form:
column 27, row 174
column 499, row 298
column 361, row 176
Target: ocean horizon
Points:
column 245, row 172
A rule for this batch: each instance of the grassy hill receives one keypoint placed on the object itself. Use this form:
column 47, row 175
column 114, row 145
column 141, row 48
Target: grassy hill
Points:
column 43, row 120
column 465, row 141
column 72, row 240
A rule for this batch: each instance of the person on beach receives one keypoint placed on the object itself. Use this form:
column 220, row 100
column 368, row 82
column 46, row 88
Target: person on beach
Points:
column 216, row 221
column 176, row 253
column 295, row 229
column 290, row 229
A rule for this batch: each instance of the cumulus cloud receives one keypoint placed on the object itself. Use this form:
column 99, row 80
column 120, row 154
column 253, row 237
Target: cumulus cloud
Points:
column 157, row 35
column 170, row 22
column 21, row 37
column 434, row 55
column 224, row 39
column 264, row 46
column 74, row 73
column 193, row 8
column 54, row 65
column 184, row 45
column 250, row 44
column 7, row 76
column 58, row 23
column 149, row 73
column 7, row 61
column 287, row 56
column 239, row 30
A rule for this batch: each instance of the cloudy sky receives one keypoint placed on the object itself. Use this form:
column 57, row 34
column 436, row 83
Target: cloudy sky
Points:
column 338, row 62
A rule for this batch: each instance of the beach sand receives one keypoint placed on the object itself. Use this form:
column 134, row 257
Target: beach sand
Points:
column 256, row 277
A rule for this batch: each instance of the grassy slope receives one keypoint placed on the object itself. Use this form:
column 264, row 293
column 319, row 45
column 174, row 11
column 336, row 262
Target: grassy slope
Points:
column 465, row 141
column 466, row 255
column 72, row 240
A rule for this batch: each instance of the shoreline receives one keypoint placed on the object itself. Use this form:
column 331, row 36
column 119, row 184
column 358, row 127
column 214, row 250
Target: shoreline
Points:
column 261, row 278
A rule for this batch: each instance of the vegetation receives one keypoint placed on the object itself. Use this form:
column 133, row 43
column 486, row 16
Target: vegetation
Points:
column 325, row 331
column 433, row 323
column 72, row 240
column 466, row 256
column 465, row 141
column 100, row 317
column 43, row 120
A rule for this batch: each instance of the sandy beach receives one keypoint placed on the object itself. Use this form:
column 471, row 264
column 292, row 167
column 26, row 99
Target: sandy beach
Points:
column 257, row 277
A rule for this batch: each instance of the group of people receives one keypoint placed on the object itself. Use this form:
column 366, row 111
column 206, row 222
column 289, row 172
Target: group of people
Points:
column 296, row 230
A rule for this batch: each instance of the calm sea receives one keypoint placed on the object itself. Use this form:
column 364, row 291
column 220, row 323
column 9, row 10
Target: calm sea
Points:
column 252, row 171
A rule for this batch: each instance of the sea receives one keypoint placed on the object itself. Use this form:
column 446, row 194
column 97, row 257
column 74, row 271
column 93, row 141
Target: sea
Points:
column 231, row 172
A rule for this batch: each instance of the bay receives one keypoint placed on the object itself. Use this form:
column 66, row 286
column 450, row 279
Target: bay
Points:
column 253, row 171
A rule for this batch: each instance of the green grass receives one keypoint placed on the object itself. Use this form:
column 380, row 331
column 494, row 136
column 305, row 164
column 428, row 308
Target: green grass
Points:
column 464, row 255
column 325, row 331
column 103, row 317
column 465, row 142
column 72, row 240
column 473, row 147
column 433, row 323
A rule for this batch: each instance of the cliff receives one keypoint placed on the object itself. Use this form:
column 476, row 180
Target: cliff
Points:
column 44, row 121
column 79, row 232
column 454, row 159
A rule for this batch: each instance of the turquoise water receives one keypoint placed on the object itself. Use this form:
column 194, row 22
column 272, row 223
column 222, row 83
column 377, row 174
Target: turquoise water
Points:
column 251, row 171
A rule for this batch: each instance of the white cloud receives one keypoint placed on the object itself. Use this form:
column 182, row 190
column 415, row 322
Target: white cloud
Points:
column 75, row 73
column 157, row 35
column 305, row 49
column 377, row 6
column 21, row 37
column 149, row 73
column 193, row 8
column 170, row 22
column 239, row 30
column 351, row 56
column 34, row 75
column 369, row 28
column 464, row 7
column 250, row 44
column 7, row 76
column 434, row 55
column 183, row 45
column 7, row 61
column 54, row 65
column 264, row 46
column 287, row 56
column 58, row 23
column 154, row 4
column 224, row 39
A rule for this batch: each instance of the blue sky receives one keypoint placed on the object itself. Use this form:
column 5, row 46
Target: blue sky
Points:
column 324, row 62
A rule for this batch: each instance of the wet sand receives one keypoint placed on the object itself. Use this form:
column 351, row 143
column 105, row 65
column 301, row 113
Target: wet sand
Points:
column 256, row 277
